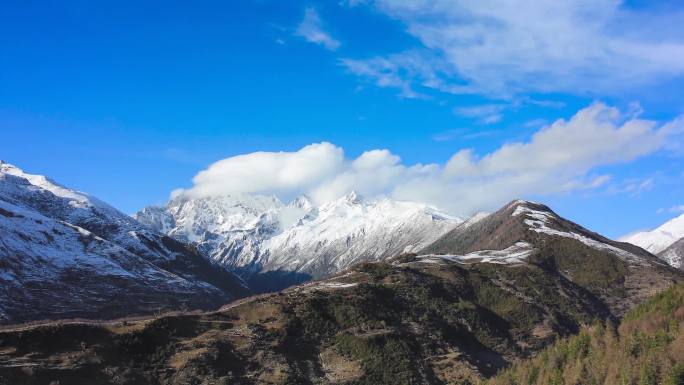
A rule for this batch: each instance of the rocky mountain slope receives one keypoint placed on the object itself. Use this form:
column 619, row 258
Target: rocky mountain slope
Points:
column 474, row 302
column 256, row 234
column 65, row 254
column 619, row 273
column 658, row 240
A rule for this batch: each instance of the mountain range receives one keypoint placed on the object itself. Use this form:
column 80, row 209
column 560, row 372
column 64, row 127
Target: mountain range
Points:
column 71, row 255
column 256, row 235
column 395, row 292
column 491, row 292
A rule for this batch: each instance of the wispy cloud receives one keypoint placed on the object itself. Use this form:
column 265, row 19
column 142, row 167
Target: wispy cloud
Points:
column 398, row 71
column 535, row 123
column 311, row 29
column 462, row 134
column 485, row 113
column 677, row 209
column 633, row 186
column 504, row 48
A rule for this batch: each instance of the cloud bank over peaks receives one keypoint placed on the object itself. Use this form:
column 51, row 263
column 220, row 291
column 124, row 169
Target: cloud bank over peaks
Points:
column 559, row 158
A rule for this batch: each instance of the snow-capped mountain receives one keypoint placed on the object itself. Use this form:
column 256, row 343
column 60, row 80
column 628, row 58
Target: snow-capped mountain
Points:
column 659, row 240
column 64, row 253
column 253, row 233
column 229, row 229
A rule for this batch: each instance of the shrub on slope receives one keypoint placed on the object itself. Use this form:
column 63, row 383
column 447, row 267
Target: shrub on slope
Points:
column 646, row 349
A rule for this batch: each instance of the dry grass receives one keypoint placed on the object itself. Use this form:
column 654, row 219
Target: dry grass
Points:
column 180, row 359
column 339, row 369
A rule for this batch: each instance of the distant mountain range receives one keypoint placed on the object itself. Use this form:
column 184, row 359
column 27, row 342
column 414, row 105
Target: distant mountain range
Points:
column 255, row 235
column 666, row 241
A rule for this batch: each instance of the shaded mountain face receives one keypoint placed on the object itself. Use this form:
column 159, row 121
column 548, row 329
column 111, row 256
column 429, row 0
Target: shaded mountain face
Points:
column 65, row 254
column 658, row 240
column 251, row 234
column 620, row 273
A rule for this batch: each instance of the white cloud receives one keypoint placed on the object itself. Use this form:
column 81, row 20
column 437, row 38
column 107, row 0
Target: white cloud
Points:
column 266, row 172
column 485, row 113
column 397, row 71
column 558, row 158
column 677, row 209
column 502, row 47
column 634, row 186
column 674, row 209
column 462, row 134
column 311, row 29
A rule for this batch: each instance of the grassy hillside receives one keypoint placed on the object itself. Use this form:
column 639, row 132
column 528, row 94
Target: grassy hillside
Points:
column 646, row 349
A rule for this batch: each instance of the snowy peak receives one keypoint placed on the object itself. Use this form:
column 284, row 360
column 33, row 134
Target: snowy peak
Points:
column 660, row 238
column 253, row 233
column 666, row 241
column 40, row 182
column 353, row 198
column 530, row 222
column 92, row 259
column 301, row 202
column 519, row 207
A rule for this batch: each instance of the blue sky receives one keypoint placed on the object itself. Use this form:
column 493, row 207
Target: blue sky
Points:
column 130, row 100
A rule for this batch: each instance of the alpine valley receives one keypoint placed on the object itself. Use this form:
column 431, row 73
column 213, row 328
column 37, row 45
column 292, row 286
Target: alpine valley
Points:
column 386, row 292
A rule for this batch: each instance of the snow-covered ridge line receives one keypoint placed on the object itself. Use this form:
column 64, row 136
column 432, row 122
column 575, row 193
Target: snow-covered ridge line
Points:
column 261, row 233
column 515, row 254
column 79, row 199
column 538, row 221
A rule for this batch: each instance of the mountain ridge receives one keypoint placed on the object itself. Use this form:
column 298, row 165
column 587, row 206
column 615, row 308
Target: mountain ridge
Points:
column 66, row 254
column 487, row 292
column 594, row 262
column 253, row 234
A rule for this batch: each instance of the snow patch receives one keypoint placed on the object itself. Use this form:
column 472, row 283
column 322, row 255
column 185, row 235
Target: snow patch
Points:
column 337, row 285
column 538, row 221
column 514, row 254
